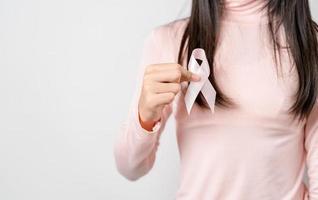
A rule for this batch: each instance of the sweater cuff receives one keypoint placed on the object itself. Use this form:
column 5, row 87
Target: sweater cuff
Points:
column 143, row 133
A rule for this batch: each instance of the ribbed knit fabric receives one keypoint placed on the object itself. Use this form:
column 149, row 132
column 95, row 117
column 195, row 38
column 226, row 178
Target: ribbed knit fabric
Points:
column 253, row 151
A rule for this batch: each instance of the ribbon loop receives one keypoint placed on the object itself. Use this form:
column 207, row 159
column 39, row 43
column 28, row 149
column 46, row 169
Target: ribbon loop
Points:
column 199, row 64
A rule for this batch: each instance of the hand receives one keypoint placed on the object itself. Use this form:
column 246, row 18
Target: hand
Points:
column 161, row 83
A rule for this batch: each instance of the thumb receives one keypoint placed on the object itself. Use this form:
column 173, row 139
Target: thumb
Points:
column 188, row 76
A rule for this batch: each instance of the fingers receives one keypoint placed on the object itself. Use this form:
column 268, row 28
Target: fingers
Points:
column 155, row 101
column 166, row 87
column 162, row 67
column 170, row 73
column 161, row 83
column 164, row 98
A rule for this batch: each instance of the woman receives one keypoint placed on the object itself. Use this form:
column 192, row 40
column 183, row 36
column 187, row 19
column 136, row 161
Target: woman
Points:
column 263, row 61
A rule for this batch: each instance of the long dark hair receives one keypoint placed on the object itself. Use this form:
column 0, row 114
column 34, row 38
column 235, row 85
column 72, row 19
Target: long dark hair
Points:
column 202, row 31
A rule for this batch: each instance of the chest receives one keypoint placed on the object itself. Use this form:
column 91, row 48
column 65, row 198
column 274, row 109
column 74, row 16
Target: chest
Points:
column 245, row 70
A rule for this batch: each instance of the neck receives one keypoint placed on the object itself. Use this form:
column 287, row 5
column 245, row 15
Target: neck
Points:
column 245, row 11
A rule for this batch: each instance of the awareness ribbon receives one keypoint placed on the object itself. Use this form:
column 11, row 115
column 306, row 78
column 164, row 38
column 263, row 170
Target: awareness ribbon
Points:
column 199, row 64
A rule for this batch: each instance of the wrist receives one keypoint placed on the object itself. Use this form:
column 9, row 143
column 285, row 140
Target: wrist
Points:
column 147, row 125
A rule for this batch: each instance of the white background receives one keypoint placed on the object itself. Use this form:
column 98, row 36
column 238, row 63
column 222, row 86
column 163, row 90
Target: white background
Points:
column 67, row 73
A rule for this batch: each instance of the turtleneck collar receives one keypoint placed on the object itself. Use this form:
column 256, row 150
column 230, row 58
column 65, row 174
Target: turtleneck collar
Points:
column 244, row 11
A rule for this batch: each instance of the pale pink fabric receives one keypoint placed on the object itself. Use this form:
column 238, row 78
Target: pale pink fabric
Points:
column 250, row 152
column 204, row 85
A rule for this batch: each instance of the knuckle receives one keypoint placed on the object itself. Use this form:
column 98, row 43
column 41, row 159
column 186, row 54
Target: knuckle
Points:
column 175, row 66
column 147, row 87
column 150, row 68
column 177, row 73
column 171, row 96
column 177, row 87
column 178, row 66
column 146, row 78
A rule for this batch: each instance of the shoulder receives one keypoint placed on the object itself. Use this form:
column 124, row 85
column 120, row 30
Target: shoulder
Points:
column 170, row 30
column 167, row 37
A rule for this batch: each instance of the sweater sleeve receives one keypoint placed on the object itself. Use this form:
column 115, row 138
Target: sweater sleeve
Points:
column 311, row 146
column 135, row 147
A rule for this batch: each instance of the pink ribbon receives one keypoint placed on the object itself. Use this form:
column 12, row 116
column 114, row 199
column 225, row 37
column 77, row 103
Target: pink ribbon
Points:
column 204, row 85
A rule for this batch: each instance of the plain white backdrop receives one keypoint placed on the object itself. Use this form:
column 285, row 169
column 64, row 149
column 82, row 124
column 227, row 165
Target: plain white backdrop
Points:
column 67, row 74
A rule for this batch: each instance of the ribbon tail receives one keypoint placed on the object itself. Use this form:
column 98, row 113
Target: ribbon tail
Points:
column 203, row 85
column 192, row 92
column 209, row 94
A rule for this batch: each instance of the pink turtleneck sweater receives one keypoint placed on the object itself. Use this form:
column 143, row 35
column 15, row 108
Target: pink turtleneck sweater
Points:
column 252, row 152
